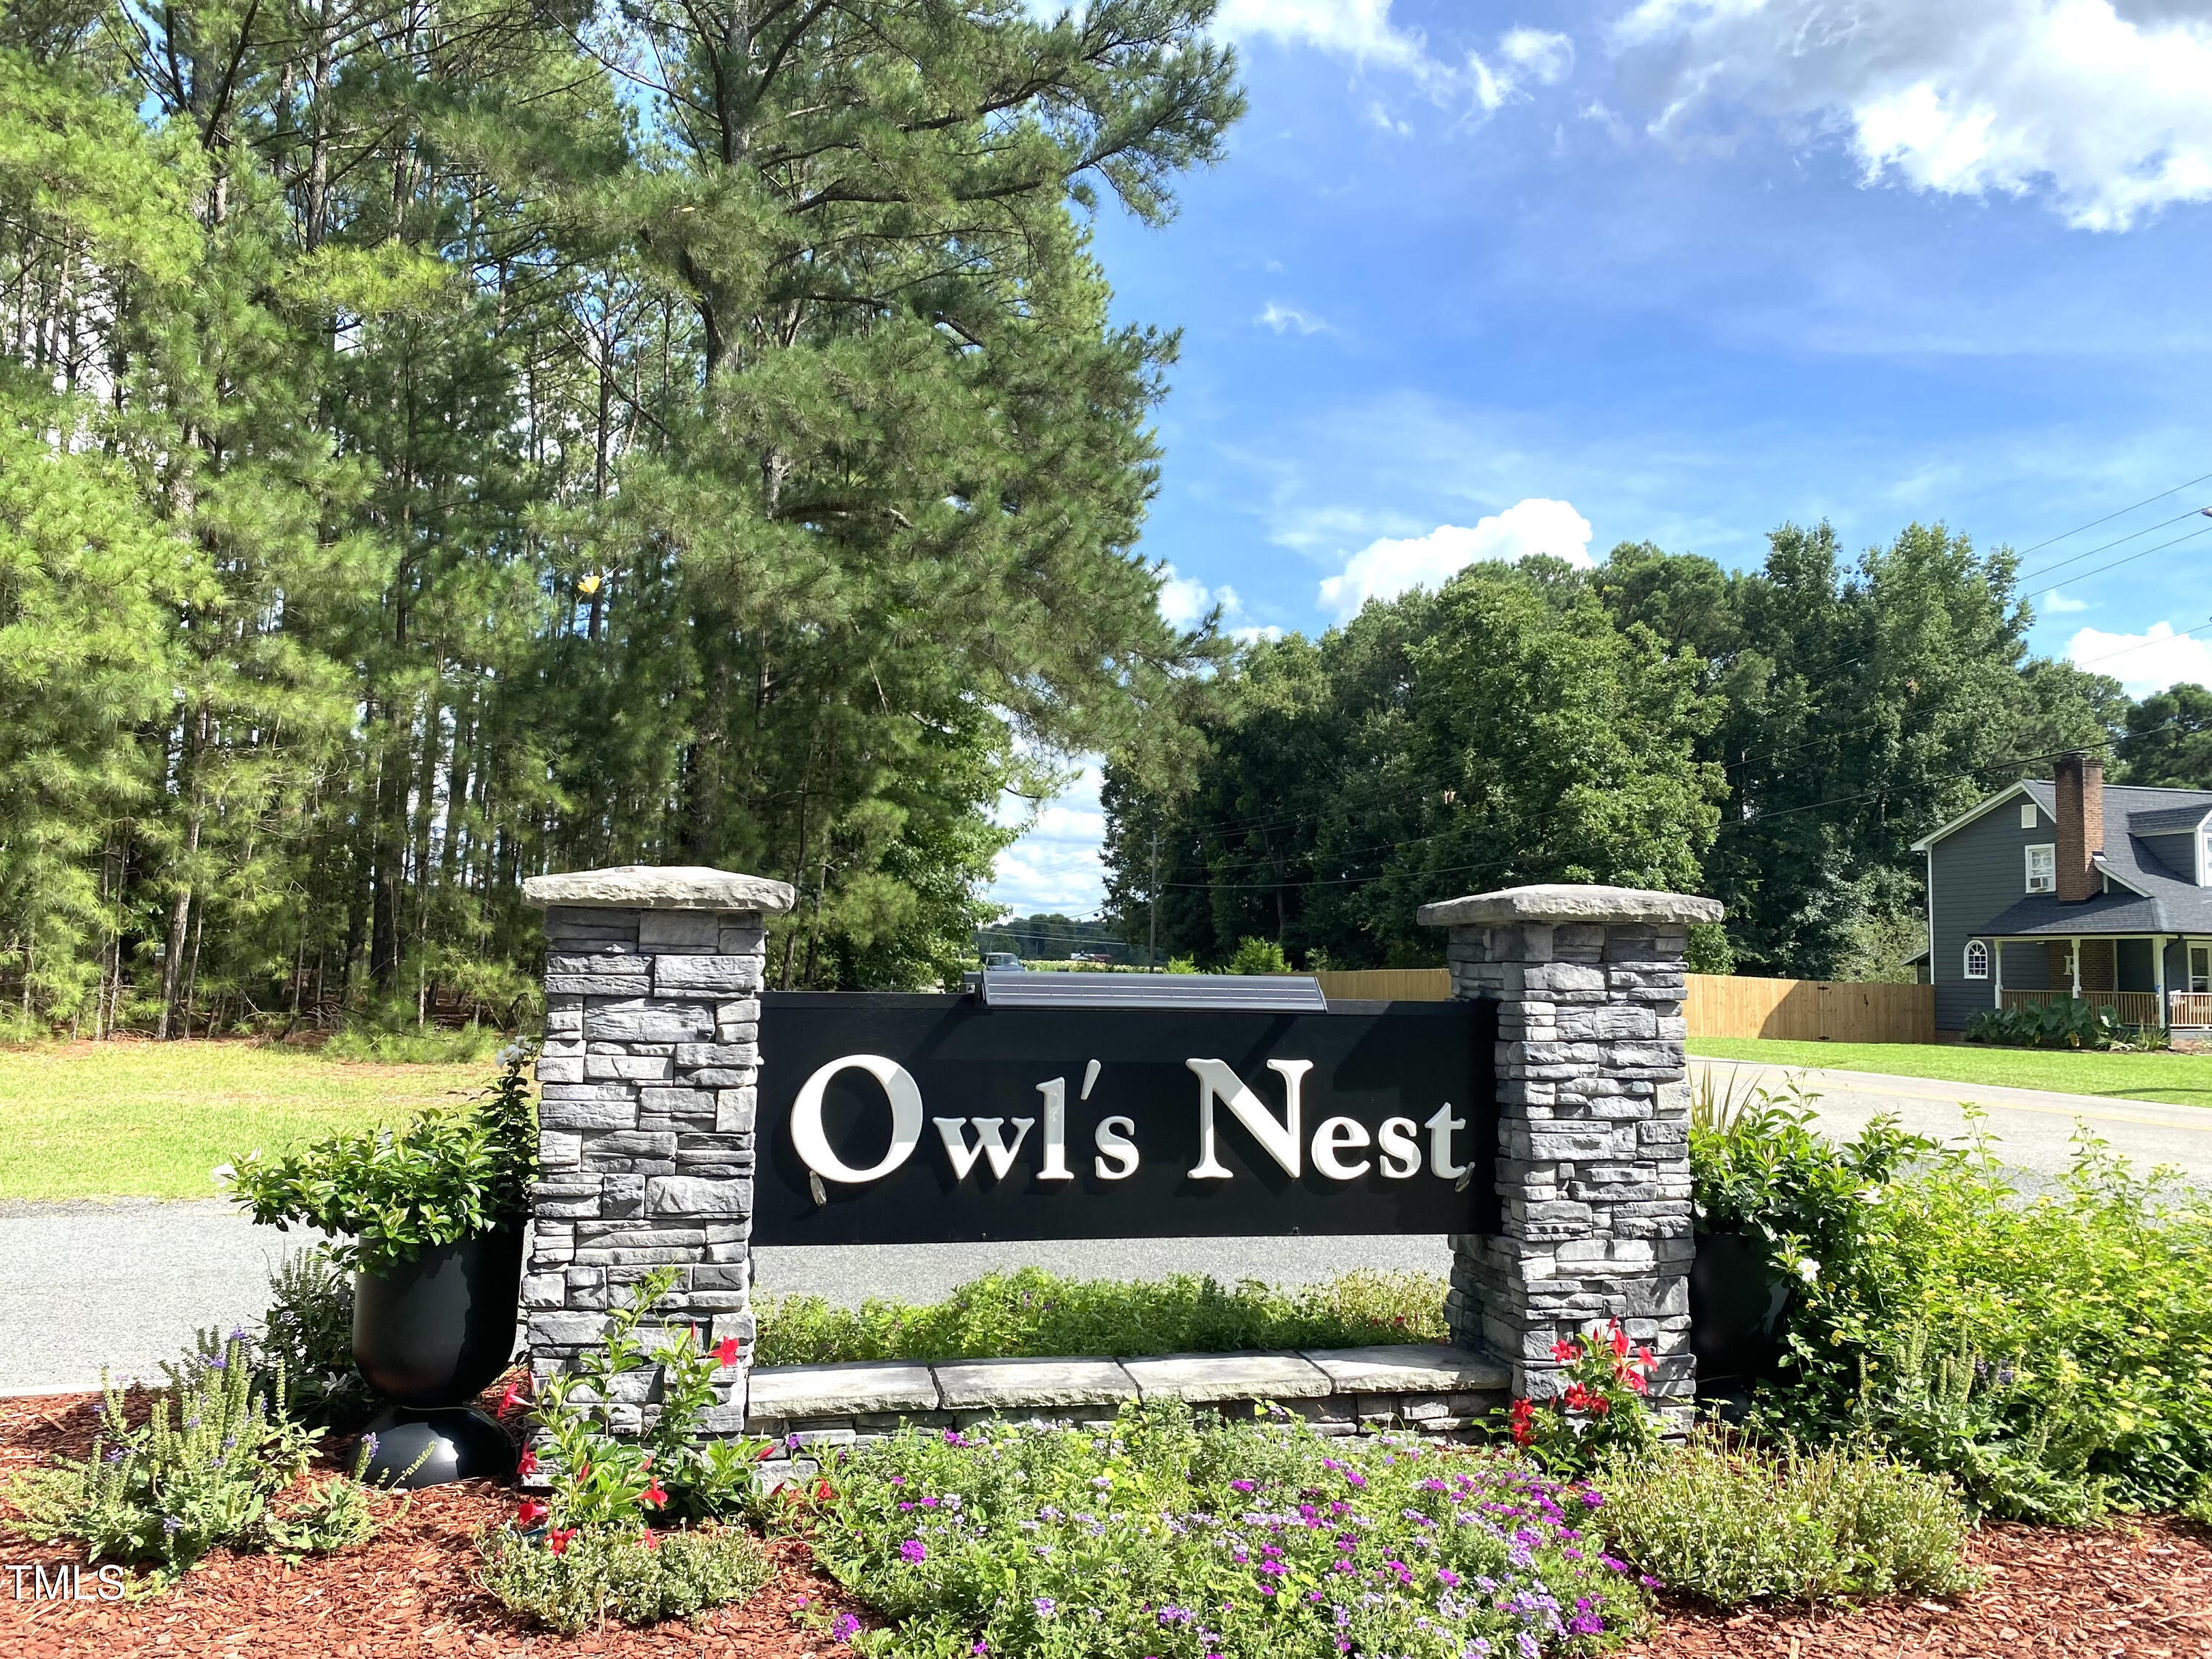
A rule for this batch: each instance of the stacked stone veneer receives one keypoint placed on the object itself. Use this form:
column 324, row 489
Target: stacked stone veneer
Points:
column 1593, row 1101
column 646, row 1115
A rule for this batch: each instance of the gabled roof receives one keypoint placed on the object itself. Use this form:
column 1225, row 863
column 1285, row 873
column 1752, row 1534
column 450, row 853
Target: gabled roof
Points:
column 2144, row 896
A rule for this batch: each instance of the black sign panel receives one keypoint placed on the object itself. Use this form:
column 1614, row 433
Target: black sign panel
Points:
column 916, row 1119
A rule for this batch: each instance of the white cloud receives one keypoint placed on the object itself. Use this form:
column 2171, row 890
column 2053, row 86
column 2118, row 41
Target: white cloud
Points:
column 1056, row 863
column 1283, row 318
column 2058, row 605
column 1184, row 601
column 2145, row 662
column 1391, row 566
column 1363, row 31
column 1357, row 28
column 2102, row 103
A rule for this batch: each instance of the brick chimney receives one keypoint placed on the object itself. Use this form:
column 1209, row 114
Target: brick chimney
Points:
column 2080, row 779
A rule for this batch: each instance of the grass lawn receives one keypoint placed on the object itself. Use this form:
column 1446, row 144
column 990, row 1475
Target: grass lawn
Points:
column 2176, row 1080
column 149, row 1120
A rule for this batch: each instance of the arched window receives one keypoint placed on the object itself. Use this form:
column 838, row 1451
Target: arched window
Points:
column 1978, row 959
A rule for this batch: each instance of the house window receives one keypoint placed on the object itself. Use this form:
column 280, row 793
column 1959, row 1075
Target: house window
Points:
column 1978, row 959
column 2043, row 868
column 2200, row 967
column 2027, row 815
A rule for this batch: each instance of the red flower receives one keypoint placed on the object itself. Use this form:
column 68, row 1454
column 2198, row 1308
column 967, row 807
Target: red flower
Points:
column 527, row 1464
column 1643, row 1358
column 651, row 1540
column 1577, row 1397
column 584, row 1471
column 1522, row 1421
column 530, row 1514
column 652, row 1497
column 1562, row 1351
column 1619, row 1340
column 1600, row 1404
column 822, row 1492
column 765, row 1452
column 1638, row 1382
column 557, row 1539
column 513, row 1394
column 725, row 1351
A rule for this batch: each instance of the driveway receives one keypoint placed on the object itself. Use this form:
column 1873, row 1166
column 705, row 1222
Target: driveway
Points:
column 2033, row 1128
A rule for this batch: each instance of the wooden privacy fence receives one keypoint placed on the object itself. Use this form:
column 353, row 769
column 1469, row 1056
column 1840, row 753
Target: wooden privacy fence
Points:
column 1719, row 1005
column 1809, row 1010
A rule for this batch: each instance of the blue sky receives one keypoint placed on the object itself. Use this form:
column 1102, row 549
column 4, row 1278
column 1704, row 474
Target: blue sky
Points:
column 1478, row 282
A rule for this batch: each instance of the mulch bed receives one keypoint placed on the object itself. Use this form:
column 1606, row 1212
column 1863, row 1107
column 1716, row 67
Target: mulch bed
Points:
column 2135, row 1588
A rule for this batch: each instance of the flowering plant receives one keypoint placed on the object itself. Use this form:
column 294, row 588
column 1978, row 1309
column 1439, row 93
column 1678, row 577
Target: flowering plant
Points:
column 1161, row 1536
column 1604, row 1404
column 599, row 1478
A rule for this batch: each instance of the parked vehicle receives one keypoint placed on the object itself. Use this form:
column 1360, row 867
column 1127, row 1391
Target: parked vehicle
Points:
column 1004, row 961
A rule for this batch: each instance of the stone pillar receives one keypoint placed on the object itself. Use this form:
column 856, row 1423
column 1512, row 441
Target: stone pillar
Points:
column 1594, row 1108
column 647, row 1087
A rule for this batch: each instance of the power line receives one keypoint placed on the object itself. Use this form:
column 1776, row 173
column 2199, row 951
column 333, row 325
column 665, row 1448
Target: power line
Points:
column 2026, row 576
column 2108, row 517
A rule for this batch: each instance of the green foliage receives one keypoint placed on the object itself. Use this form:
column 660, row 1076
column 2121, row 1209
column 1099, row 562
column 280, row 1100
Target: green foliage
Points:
column 1258, row 955
column 2169, row 739
column 1601, row 1410
column 211, row 1467
column 639, row 1577
column 1030, row 1313
column 2051, row 1352
column 1501, row 731
column 1730, row 1523
column 435, row 1046
column 453, row 1173
column 308, row 1333
column 1757, row 1166
column 601, row 1480
column 2062, row 1022
column 1709, row 951
column 1164, row 1537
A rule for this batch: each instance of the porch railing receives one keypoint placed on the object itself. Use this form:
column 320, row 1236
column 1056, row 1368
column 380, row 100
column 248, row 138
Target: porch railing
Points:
column 2133, row 1007
column 2191, row 1007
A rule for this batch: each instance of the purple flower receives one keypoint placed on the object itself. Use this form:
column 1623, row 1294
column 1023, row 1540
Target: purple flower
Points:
column 791, row 1442
column 1245, row 1486
column 171, row 1525
column 844, row 1628
column 115, row 1454
column 914, row 1552
column 1449, row 1578
column 1045, row 1605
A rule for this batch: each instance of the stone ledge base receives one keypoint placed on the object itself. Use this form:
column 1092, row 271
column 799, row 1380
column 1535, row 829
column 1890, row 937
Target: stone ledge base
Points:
column 1444, row 1393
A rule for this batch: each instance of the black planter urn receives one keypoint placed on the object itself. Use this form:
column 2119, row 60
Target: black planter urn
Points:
column 430, row 1334
column 1736, row 1304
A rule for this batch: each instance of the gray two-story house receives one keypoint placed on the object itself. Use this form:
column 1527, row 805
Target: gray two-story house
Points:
column 2067, row 887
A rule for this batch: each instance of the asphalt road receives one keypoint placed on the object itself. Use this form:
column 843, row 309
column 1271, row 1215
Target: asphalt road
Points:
column 125, row 1284
column 2033, row 1128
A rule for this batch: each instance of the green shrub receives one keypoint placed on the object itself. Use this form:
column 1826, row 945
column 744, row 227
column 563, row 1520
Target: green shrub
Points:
column 2053, row 1353
column 1258, row 955
column 1728, row 1523
column 637, row 1577
column 209, row 1467
column 1030, row 1313
column 308, row 1330
column 1162, row 1537
column 450, row 1175
column 2062, row 1022
column 436, row 1046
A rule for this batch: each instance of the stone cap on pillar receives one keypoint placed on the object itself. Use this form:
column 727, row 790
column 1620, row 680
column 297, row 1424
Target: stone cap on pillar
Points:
column 658, row 887
column 1557, row 901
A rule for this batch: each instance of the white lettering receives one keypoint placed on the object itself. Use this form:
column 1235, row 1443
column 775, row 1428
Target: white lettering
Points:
column 1114, row 1142
column 990, row 1142
column 111, row 1583
column 1090, row 1077
column 1401, row 1152
column 1055, row 1130
column 1279, row 1140
column 813, row 1142
column 1335, row 1135
column 1440, row 1125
